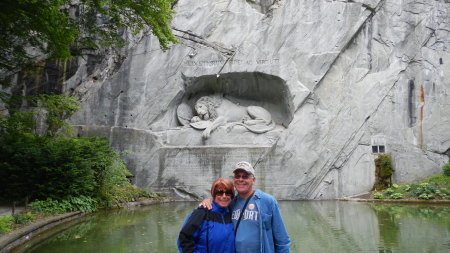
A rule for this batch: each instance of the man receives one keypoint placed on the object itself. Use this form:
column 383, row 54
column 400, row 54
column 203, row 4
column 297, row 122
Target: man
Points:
column 260, row 228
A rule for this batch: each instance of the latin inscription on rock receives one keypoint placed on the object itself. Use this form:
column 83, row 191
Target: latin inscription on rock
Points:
column 198, row 167
column 213, row 63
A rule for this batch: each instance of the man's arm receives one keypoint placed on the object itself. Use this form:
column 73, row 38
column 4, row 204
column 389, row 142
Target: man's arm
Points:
column 280, row 234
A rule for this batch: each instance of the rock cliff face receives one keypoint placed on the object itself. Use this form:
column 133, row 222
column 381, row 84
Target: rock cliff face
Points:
column 342, row 80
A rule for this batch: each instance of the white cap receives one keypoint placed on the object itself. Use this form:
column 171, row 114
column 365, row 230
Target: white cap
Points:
column 245, row 166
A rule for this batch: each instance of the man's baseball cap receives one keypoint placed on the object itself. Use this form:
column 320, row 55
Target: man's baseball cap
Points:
column 245, row 166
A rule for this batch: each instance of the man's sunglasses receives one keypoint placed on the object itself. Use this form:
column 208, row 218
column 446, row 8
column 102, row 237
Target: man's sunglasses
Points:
column 246, row 176
column 220, row 193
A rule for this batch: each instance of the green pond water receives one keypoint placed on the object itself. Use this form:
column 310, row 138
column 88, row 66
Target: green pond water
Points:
column 314, row 226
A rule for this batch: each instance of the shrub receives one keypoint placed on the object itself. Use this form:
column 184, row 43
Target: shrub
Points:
column 446, row 169
column 378, row 195
column 23, row 218
column 83, row 204
column 385, row 164
column 426, row 196
column 424, row 189
column 444, row 190
column 51, row 207
column 441, row 193
column 383, row 171
column 396, row 195
column 48, row 207
column 6, row 223
column 389, row 191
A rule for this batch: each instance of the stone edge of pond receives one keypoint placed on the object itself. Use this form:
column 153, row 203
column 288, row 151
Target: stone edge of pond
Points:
column 146, row 202
column 17, row 237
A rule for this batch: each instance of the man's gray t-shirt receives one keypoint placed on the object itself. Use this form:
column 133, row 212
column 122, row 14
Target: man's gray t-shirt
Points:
column 248, row 234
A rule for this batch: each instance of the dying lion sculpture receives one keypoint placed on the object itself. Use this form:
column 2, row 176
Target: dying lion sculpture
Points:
column 213, row 112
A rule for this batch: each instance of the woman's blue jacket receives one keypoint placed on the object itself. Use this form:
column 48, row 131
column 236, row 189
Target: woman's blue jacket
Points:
column 207, row 231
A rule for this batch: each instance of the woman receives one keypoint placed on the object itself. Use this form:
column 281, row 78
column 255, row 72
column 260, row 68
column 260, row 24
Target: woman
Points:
column 210, row 231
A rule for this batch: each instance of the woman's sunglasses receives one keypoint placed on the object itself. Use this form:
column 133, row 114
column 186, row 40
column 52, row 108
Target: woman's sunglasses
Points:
column 220, row 193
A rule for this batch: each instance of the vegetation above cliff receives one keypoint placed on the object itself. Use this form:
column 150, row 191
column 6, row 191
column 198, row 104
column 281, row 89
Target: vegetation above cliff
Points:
column 61, row 28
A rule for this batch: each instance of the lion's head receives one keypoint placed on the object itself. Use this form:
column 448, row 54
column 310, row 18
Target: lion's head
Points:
column 206, row 107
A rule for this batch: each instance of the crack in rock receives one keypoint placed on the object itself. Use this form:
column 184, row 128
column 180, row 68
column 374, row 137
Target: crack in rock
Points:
column 186, row 35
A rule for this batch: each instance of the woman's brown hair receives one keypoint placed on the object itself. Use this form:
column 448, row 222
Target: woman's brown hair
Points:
column 227, row 185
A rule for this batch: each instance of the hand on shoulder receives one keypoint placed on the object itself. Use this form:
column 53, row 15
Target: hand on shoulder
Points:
column 206, row 203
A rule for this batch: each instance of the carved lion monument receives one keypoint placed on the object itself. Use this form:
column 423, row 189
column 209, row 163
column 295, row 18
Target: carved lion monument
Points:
column 212, row 112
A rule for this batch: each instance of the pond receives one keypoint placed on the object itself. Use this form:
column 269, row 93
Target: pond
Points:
column 314, row 226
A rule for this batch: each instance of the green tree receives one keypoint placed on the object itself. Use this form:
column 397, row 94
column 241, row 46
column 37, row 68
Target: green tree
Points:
column 60, row 29
column 20, row 159
column 58, row 107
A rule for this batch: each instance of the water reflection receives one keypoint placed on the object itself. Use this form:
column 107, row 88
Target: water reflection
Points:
column 412, row 228
column 150, row 229
column 333, row 226
column 314, row 226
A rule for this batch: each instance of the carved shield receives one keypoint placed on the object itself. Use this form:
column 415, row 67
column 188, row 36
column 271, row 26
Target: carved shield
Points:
column 184, row 114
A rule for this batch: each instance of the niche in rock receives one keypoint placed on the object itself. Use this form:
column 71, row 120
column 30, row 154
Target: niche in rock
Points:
column 256, row 101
